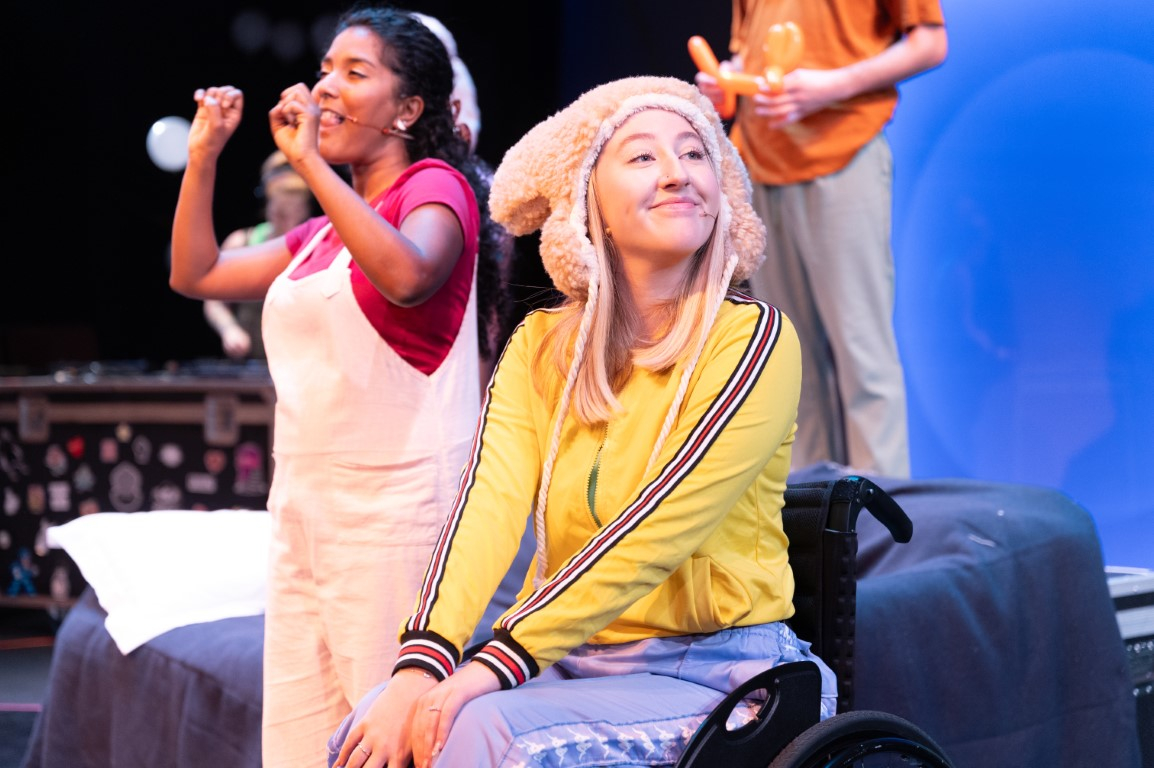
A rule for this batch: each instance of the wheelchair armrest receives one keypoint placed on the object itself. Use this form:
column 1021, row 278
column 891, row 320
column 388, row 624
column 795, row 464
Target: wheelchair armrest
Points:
column 792, row 704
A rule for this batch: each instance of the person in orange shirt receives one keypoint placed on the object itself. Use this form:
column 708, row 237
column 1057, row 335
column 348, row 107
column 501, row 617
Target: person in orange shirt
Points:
column 822, row 173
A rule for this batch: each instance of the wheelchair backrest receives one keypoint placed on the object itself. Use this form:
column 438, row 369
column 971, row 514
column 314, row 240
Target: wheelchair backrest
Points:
column 820, row 519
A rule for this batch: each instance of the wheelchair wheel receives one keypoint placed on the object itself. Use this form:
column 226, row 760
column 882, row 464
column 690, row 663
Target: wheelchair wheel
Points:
column 863, row 740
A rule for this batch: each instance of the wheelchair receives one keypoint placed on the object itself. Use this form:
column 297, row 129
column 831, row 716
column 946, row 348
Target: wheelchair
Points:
column 820, row 519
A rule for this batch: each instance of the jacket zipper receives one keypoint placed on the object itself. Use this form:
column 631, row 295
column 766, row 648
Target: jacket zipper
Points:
column 591, row 482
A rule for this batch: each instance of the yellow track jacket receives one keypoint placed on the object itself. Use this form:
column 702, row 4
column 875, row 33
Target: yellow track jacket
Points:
column 694, row 545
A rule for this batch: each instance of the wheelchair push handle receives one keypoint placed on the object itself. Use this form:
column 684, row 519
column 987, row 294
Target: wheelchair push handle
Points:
column 860, row 493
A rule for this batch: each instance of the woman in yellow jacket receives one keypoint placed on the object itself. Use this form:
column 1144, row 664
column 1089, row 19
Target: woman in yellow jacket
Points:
column 644, row 430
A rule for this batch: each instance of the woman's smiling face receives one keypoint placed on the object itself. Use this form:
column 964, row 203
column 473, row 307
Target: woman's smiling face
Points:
column 357, row 95
column 658, row 193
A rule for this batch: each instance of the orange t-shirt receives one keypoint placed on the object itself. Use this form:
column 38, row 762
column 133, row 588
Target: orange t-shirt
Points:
column 836, row 33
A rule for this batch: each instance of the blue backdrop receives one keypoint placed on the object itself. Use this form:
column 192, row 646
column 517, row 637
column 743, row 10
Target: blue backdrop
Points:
column 1024, row 247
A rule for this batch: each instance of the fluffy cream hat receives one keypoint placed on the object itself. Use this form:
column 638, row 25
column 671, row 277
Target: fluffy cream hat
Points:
column 543, row 180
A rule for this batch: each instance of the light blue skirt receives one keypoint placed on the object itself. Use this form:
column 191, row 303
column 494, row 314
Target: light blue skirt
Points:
column 633, row 704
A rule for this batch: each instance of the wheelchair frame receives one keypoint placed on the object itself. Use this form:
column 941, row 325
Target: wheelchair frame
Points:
column 820, row 519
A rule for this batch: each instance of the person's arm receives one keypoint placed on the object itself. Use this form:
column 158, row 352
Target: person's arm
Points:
column 197, row 269
column 806, row 91
column 234, row 339
column 406, row 265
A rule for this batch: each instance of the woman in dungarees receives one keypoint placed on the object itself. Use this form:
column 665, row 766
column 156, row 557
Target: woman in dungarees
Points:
column 370, row 328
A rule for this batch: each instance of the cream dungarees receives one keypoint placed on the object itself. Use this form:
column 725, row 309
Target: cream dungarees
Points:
column 368, row 451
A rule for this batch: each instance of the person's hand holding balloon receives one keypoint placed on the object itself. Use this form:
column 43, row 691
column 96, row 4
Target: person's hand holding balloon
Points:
column 708, row 85
column 723, row 82
column 804, row 91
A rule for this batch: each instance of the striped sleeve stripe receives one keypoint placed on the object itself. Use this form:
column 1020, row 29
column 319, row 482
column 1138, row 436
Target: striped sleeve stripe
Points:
column 435, row 573
column 423, row 662
column 720, row 412
column 508, row 665
column 426, row 654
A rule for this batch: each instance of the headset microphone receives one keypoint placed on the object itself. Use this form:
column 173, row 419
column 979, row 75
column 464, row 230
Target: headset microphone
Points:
column 354, row 121
column 385, row 131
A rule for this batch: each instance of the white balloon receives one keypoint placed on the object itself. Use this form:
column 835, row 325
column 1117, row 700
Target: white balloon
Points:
column 167, row 143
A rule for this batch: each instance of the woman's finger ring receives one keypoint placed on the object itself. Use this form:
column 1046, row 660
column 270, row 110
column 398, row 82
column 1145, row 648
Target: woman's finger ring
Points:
column 361, row 747
column 434, row 709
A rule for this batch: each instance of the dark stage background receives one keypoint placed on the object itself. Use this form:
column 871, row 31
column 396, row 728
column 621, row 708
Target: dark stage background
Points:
column 91, row 283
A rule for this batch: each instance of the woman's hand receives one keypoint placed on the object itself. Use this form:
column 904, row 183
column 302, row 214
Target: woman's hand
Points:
column 294, row 122
column 437, row 710
column 381, row 739
column 218, row 113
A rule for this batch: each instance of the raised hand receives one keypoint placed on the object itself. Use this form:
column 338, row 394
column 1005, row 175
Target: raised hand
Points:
column 218, row 113
column 294, row 122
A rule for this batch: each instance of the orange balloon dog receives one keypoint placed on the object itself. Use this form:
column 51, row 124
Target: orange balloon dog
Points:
column 783, row 48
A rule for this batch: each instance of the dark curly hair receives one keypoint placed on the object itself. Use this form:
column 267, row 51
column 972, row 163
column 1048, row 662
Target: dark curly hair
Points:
column 421, row 64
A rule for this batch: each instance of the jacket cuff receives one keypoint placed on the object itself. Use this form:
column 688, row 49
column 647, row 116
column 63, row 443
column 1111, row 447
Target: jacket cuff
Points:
column 511, row 663
column 428, row 651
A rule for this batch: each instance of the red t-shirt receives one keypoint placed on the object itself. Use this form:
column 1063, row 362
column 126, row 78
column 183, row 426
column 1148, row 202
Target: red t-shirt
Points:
column 422, row 335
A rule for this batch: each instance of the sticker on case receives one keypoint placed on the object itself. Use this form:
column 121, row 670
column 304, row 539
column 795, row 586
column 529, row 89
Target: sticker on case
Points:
column 60, row 584
column 170, row 455
column 249, row 462
column 23, row 570
column 201, row 482
column 166, row 495
column 12, row 461
column 109, row 450
column 37, row 498
column 142, row 449
column 59, row 496
column 56, row 460
column 126, row 493
column 84, row 479
column 215, row 460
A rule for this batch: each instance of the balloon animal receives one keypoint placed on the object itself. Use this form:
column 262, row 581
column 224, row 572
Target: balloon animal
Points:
column 783, row 47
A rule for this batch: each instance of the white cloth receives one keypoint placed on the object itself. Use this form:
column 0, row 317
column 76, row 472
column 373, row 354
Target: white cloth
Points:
column 156, row 571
